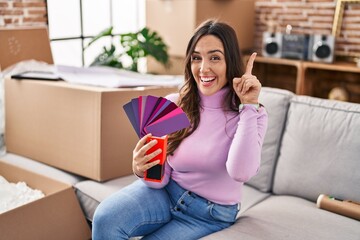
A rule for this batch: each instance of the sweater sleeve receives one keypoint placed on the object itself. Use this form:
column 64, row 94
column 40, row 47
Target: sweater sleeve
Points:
column 245, row 151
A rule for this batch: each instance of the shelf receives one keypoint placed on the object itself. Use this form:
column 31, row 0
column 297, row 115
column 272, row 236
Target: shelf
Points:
column 278, row 73
column 336, row 66
column 320, row 79
column 308, row 78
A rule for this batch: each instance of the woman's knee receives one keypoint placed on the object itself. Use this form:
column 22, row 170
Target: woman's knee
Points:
column 123, row 212
column 109, row 221
column 102, row 216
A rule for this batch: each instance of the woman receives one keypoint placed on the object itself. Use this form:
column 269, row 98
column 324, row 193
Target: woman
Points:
column 207, row 163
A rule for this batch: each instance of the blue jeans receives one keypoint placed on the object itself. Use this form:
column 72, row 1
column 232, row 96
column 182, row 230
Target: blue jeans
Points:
column 168, row 213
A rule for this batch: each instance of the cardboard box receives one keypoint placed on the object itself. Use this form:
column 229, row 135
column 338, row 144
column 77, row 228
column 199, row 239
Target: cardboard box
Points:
column 176, row 20
column 24, row 43
column 77, row 128
column 56, row 216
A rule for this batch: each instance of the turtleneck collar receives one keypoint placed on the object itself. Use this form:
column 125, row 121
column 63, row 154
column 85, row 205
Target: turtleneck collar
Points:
column 215, row 100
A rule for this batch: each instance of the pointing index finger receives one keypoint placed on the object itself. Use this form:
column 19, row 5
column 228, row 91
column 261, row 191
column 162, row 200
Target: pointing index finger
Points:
column 250, row 63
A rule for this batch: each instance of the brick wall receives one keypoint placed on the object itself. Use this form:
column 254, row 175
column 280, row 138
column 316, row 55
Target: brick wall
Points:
column 22, row 13
column 349, row 40
column 305, row 16
column 310, row 17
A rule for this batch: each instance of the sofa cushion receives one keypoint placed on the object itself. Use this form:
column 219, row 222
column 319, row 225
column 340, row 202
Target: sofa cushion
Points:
column 41, row 168
column 251, row 196
column 276, row 102
column 320, row 150
column 286, row 217
column 91, row 193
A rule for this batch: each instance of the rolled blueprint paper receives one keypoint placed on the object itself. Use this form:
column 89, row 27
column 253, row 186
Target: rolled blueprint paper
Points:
column 343, row 207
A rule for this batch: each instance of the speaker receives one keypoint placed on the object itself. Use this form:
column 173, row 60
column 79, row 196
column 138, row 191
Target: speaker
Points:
column 322, row 48
column 272, row 44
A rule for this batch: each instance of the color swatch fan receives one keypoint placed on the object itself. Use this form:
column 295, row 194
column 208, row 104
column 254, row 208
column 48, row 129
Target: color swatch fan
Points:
column 160, row 117
column 156, row 115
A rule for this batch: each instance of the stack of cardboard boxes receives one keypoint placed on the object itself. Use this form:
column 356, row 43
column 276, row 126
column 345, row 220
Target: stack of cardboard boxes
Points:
column 80, row 129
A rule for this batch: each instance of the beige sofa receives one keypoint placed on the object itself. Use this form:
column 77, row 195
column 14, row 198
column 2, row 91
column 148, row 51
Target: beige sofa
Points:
column 312, row 147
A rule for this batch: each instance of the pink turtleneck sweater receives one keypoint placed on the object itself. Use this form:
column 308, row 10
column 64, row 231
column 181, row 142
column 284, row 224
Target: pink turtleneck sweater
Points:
column 221, row 154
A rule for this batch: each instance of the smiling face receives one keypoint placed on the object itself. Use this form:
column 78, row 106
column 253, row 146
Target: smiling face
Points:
column 208, row 65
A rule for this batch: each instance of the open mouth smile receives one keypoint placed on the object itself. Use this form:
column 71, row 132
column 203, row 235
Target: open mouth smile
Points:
column 207, row 79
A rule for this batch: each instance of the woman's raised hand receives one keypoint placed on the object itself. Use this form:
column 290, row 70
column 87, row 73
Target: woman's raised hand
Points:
column 248, row 87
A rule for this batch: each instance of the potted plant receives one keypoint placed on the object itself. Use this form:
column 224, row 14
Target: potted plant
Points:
column 135, row 45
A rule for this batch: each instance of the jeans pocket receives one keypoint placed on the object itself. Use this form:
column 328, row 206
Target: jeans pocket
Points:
column 224, row 213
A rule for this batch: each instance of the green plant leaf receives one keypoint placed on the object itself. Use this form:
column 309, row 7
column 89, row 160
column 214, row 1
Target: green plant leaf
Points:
column 136, row 45
column 154, row 46
column 108, row 58
column 106, row 32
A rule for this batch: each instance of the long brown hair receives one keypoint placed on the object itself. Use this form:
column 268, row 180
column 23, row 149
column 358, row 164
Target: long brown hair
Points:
column 189, row 99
